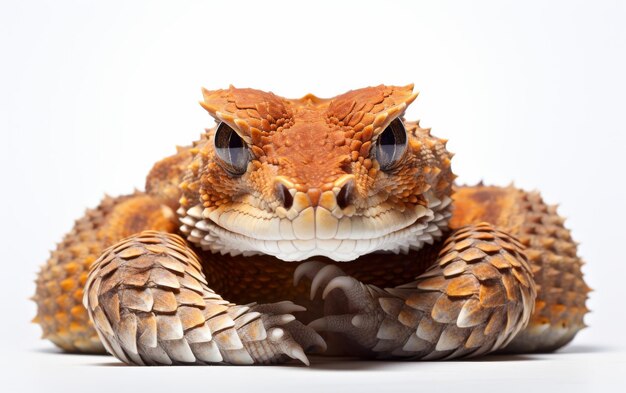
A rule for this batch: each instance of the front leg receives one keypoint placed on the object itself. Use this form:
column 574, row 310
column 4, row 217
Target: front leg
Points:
column 476, row 297
column 150, row 304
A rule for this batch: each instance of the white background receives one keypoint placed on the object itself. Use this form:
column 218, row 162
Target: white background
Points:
column 93, row 93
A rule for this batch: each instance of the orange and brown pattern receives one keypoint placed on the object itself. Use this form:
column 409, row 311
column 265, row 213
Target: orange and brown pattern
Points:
column 61, row 281
column 553, row 256
column 388, row 257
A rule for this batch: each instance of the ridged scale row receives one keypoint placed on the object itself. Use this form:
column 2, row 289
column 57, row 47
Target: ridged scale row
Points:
column 151, row 306
column 474, row 300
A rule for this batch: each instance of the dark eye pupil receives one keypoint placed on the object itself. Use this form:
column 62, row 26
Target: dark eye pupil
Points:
column 391, row 145
column 231, row 149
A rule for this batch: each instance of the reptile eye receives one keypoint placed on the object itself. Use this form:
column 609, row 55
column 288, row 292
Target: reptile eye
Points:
column 231, row 150
column 391, row 145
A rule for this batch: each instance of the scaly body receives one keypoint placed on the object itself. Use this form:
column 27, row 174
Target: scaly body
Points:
column 337, row 210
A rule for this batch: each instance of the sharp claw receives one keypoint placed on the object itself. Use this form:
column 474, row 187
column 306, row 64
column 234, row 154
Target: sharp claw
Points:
column 308, row 338
column 284, row 334
column 308, row 269
column 277, row 320
column 298, row 353
column 333, row 323
column 343, row 282
column 320, row 343
column 298, row 274
column 297, row 308
column 287, row 306
column 286, row 318
column 319, row 325
column 323, row 276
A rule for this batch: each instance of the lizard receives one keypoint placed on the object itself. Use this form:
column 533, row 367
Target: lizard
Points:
column 338, row 211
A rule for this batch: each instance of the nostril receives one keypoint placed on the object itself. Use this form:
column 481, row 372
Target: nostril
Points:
column 344, row 195
column 286, row 196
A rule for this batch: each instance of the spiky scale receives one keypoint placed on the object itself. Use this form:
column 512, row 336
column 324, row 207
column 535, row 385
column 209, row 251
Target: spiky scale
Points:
column 71, row 260
column 279, row 118
column 551, row 254
column 163, row 322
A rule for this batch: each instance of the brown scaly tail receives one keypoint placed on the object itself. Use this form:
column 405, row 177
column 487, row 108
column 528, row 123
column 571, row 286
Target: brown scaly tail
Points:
column 151, row 305
column 561, row 290
column 60, row 282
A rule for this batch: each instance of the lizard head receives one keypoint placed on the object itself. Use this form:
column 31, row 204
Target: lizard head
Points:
column 296, row 178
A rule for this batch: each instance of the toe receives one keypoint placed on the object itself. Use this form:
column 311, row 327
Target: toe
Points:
column 307, row 269
column 327, row 274
column 284, row 307
column 307, row 337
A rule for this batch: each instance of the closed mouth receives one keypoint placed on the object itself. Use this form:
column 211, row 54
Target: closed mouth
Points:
column 237, row 233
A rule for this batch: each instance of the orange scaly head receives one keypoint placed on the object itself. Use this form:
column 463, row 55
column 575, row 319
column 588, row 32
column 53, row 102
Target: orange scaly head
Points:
column 296, row 178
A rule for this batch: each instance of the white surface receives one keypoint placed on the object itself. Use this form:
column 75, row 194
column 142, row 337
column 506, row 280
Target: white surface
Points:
column 94, row 92
column 579, row 369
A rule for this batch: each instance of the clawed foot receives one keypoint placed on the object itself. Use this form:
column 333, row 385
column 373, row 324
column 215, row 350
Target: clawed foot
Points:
column 285, row 334
column 351, row 308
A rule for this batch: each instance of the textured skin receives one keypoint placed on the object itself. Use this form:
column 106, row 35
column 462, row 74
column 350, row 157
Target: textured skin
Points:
column 151, row 305
column 473, row 300
column 490, row 269
column 556, row 268
column 60, row 283
column 312, row 148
